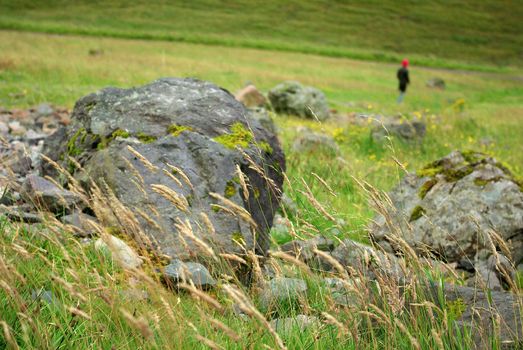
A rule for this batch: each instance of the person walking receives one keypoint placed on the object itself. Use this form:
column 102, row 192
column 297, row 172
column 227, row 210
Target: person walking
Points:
column 403, row 77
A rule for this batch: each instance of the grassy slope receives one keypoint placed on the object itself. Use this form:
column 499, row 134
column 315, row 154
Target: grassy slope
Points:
column 493, row 102
column 439, row 33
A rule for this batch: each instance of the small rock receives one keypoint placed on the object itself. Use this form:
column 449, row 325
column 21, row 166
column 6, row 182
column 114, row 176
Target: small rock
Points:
column 289, row 205
column 251, row 97
column 21, row 214
column 488, row 278
column 304, row 250
column 178, row 271
column 400, row 127
column 44, row 109
column 4, row 129
column 121, row 252
column 300, row 322
column 343, row 292
column 40, row 191
column 33, row 136
column 282, row 289
column 313, row 141
column 44, row 295
column 502, row 266
column 292, row 98
column 436, row 83
column 79, row 223
column 16, row 128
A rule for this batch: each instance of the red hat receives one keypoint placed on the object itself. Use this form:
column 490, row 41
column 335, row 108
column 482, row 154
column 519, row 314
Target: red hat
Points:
column 405, row 62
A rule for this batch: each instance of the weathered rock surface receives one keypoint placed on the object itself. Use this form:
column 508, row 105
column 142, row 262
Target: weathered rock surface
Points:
column 291, row 97
column 436, row 83
column 481, row 312
column 299, row 322
column 187, row 272
column 282, row 289
column 451, row 208
column 310, row 141
column 43, row 193
column 400, row 127
column 79, row 223
column 193, row 135
column 121, row 252
column 251, row 97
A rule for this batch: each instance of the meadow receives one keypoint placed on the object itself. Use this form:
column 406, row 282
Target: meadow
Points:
column 478, row 110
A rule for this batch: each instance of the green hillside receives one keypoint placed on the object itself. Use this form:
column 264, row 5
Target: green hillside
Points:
column 459, row 33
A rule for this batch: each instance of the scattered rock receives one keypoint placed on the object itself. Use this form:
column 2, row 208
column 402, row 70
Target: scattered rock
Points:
column 79, row 223
column 400, row 127
column 313, row 142
column 343, row 292
column 251, row 97
column 450, row 207
column 304, row 251
column 20, row 213
column 121, row 252
column 480, row 312
column 178, row 271
column 436, row 83
column 365, row 259
column 44, row 109
column 203, row 131
column 46, row 296
column 299, row 322
column 43, row 193
column 292, row 98
column 282, row 289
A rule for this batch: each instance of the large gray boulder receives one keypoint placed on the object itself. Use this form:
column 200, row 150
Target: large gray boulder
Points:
column 452, row 207
column 194, row 136
column 290, row 97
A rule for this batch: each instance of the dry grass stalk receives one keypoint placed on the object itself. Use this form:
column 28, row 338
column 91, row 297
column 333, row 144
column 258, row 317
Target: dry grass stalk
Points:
column 180, row 172
column 140, row 324
column 77, row 312
column 201, row 295
column 208, row 224
column 217, row 324
column 329, row 319
column 248, row 308
column 172, row 196
column 172, row 177
column 315, row 203
column 185, row 230
column 291, row 259
column 324, row 183
column 151, row 167
column 233, row 257
column 8, row 336
column 239, row 211
column 243, row 183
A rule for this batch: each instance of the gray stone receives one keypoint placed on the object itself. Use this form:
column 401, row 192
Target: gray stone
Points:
column 120, row 251
column 298, row 323
column 450, row 208
column 195, row 126
column 46, row 296
column 251, row 97
column 43, row 193
column 20, row 213
column 436, row 83
column 178, row 271
column 79, row 223
column 482, row 309
column 4, row 129
column 292, row 98
column 33, row 136
column 44, row 109
column 282, row 289
column 343, row 292
column 16, row 128
column 398, row 126
column 365, row 259
column 315, row 142
column 304, row 251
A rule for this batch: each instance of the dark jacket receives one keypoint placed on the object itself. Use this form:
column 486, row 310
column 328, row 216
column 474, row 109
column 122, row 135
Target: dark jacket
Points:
column 403, row 77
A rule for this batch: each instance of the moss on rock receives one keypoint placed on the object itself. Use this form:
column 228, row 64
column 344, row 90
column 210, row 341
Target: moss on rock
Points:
column 230, row 189
column 238, row 137
column 426, row 187
column 144, row 138
column 176, row 130
column 416, row 213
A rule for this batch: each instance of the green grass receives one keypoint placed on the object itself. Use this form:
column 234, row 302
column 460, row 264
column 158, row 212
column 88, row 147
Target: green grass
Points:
column 453, row 34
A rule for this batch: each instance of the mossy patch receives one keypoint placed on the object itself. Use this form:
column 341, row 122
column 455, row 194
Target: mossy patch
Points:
column 265, row 147
column 176, row 130
column 144, row 138
column 456, row 308
column 426, row 187
column 239, row 136
column 72, row 147
column 238, row 237
column 416, row 213
column 120, row 133
column 230, row 189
